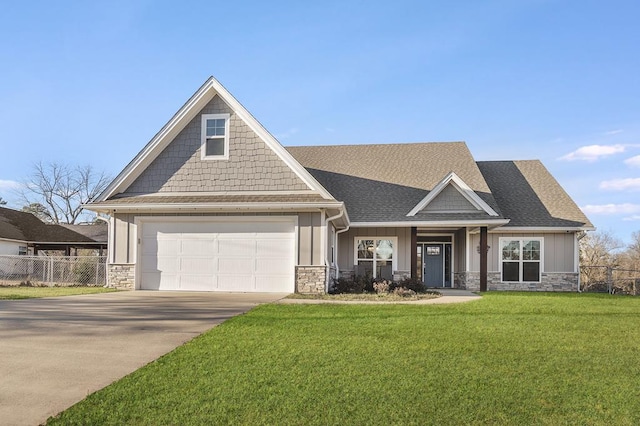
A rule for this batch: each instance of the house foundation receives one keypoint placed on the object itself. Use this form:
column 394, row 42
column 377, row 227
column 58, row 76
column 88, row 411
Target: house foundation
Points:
column 311, row 279
column 121, row 276
column 550, row 281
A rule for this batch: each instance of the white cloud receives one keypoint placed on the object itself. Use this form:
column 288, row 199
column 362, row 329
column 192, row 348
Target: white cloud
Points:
column 627, row 184
column 593, row 152
column 632, row 218
column 9, row 184
column 611, row 209
column 292, row 131
column 613, row 132
column 633, row 161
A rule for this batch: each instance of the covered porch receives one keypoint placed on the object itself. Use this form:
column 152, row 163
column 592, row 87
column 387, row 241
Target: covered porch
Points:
column 437, row 256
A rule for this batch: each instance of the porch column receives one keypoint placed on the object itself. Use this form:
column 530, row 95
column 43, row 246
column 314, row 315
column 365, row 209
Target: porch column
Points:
column 414, row 252
column 483, row 258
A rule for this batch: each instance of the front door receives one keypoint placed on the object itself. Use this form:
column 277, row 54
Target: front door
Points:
column 433, row 273
column 436, row 270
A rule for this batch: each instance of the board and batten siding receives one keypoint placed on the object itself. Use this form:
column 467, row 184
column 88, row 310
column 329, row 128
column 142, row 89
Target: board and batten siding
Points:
column 558, row 251
column 309, row 236
column 346, row 244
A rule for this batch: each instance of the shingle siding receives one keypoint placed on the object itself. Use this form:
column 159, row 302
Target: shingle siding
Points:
column 252, row 165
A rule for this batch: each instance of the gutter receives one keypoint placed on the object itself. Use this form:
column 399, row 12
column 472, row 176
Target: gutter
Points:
column 175, row 207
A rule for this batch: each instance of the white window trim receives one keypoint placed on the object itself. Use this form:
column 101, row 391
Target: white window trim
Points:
column 520, row 269
column 394, row 260
column 203, row 137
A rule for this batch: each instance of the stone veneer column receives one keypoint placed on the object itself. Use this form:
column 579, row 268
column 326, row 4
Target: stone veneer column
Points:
column 121, row 276
column 310, row 279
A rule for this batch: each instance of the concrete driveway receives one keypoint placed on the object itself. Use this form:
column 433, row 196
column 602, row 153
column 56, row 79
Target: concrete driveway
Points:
column 56, row 351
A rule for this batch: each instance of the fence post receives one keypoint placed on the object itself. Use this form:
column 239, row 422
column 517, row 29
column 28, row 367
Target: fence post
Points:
column 610, row 279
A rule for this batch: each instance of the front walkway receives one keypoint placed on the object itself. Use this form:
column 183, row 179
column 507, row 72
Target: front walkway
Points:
column 56, row 351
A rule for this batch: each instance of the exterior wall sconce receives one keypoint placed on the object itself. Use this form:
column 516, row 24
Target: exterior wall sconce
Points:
column 478, row 248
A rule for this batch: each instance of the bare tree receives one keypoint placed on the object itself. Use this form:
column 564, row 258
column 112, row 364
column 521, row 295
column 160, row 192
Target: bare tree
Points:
column 599, row 251
column 56, row 192
column 2, row 202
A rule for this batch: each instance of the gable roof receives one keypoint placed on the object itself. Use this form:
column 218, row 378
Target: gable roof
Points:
column 22, row 226
column 188, row 111
column 530, row 196
column 382, row 183
column 453, row 180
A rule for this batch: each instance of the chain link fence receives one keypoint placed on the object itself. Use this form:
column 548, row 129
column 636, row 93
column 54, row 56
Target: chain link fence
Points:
column 53, row 270
column 609, row 279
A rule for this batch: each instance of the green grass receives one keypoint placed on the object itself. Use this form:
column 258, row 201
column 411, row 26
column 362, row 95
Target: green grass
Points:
column 509, row 358
column 15, row 292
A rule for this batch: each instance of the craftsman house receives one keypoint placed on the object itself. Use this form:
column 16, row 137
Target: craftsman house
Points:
column 213, row 202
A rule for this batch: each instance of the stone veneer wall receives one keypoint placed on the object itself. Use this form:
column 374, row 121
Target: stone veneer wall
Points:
column 401, row 275
column 551, row 281
column 310, row 279
column 121, row 276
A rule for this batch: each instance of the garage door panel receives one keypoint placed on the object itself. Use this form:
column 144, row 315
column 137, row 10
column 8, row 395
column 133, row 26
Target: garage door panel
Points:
column 235, row 282
column 273, row 283
column 276, row 248
column 238, row 255
column 197, row 265
column 235, row 265
column 168, row 264
column 197, row 282
column 203, row 247
column 273, row 266
column 236, row 245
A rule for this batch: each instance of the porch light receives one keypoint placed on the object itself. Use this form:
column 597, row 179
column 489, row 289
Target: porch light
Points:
column 478, row 248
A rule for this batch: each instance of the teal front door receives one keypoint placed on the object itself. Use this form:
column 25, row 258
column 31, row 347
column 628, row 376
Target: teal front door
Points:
column 433, row 255
column 436, row 265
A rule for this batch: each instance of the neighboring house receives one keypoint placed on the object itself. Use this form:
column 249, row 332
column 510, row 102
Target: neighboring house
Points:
column 213, row 202
column 22, row 233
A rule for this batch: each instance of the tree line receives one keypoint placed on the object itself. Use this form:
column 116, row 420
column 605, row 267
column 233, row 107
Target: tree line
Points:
column 56, row 192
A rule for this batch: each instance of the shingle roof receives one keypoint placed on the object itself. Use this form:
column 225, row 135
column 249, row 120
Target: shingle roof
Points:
column 530, row 196
column 382, row 183
column 17, row 225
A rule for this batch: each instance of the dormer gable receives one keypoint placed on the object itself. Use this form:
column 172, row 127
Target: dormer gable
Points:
column 452, row 195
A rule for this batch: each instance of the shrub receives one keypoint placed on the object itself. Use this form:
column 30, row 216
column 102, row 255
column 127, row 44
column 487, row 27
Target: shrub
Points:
column 382, row 287
column 404, row 292
column 84, row 271
column 413, row 284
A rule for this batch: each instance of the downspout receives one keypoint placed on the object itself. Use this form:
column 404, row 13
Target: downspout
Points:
column 579, row 235
column 335, row 246
column 110, row 246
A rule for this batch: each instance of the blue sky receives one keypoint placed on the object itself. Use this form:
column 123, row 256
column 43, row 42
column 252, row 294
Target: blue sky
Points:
column 92, row 82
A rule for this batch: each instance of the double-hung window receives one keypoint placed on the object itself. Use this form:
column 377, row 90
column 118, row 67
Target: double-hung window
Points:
column 215, row 137
column 375, row 256
column 521, row 259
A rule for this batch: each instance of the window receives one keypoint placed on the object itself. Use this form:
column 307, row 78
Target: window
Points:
column 215, row 137
column 521, row 259
column 23, row 250
column 375, row 257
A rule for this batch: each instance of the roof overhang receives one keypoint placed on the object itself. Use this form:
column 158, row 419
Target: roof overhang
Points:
column 547, row 229
column 107, row 207
column 490, row 223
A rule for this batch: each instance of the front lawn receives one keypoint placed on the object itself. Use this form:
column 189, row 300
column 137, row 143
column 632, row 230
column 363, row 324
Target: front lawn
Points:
column 509, row 358
column 19, row 292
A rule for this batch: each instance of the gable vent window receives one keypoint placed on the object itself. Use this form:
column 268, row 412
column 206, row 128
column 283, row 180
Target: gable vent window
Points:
column 215, row 137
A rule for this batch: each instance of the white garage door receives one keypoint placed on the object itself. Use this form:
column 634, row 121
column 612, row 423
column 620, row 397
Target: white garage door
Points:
column 255, row 255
